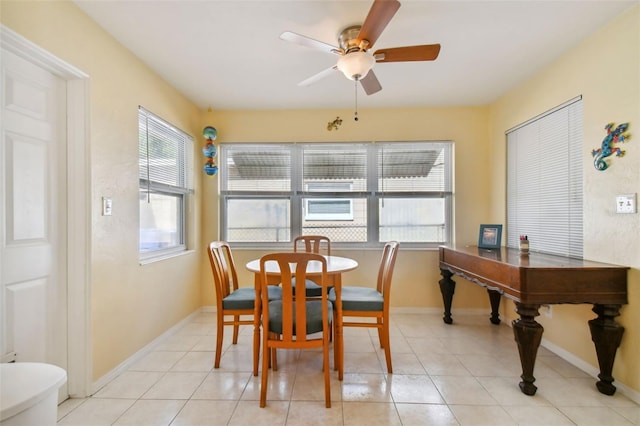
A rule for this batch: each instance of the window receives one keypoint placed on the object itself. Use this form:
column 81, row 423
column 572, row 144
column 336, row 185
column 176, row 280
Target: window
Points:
column 165, row 173
column 544, row 181
column 328, row 208
column 357, row 194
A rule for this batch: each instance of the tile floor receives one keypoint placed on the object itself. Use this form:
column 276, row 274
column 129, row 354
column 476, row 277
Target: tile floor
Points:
column 461, row 374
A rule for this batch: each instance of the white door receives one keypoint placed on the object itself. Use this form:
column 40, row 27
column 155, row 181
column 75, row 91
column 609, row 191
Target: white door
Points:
column 33, row 300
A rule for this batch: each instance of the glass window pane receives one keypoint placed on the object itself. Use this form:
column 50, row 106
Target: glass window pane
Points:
column 160, row 219
column 261, row 220
column 413, row 220
column 345, row 222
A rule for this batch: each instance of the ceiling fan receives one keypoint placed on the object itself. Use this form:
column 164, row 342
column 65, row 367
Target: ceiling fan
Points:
column 356, row 61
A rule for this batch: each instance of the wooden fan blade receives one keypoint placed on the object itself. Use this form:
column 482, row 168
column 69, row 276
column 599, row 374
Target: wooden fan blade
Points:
column 319, row 76
column 309, row 42
column 426, row 52
column 377, row 20
column 370, row 83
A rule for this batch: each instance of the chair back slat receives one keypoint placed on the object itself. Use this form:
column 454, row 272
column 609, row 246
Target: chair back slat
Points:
column 387, row 265
column 294, row 308
column 313, row 244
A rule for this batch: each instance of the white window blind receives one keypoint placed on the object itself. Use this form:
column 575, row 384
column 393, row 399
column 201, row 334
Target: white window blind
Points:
column 544, row 182
column 165, row 154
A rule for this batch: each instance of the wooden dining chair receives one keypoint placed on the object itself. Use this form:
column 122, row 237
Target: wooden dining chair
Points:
column 232, row 300
column 294, row 321
column 365, row 303
column 312, row 244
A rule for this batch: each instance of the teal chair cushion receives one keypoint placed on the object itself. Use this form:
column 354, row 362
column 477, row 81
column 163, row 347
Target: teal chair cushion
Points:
column 314, row 316
column 359, row 299
column 312, row 289
column 244, row 298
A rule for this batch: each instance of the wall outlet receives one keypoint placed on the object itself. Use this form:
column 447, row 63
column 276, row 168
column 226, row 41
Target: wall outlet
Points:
column 626, row 203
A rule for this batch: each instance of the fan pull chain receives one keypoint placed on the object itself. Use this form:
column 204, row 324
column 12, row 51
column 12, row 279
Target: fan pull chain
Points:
column 355, row 118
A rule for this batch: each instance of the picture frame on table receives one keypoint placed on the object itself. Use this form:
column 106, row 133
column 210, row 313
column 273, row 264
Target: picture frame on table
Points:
column 490, row 236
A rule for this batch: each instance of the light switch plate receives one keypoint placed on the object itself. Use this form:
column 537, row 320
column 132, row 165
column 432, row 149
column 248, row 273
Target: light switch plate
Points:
column 626, row 203
column 107, row 206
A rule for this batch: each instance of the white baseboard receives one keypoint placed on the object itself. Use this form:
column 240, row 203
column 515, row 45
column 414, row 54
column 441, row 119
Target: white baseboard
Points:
column 102, row 381
column 589, row 369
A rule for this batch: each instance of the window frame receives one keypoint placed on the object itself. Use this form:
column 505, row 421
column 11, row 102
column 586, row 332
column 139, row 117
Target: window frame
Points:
column 372, row 195
column 180, row 190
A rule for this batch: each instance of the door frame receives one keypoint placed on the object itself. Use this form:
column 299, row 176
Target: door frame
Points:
column 78, row 188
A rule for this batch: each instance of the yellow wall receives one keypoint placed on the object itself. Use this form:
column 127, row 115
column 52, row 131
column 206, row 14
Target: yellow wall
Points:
column 131, row 304
column 605, row 70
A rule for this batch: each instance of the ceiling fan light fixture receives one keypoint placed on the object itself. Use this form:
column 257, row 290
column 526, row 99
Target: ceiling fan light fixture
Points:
column 356, row 65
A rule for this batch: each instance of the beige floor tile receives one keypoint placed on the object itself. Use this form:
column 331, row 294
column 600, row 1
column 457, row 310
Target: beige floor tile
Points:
column 506, row 392
column 129, row 385
column 151, row 412
column 311, row 413
column 250, row 413
column 195, row 361
column 370, row 414
column 403, row 363
column 482, row 415
column 630, row 413
column 366, row 388
column 179, row 342
column 279, row 386
column 97, row 411
column 310, row 387
column 426, row 414
column 69, row 405
column 222, row 386
column 537, row 416
column 158, row 361
column 436, row 364
column 462, row 390
column 418, row 389
column 361, row 362
column 175, row 386
column 595, row 416
column 204, row 412
column 489, row 365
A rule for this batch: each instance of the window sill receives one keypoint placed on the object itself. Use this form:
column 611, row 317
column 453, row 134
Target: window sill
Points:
column 163, row 256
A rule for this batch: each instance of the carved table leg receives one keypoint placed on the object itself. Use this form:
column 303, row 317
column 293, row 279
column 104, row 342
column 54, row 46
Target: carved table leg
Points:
column 528, row 334
column 606, row 335
column 447, row 288
column 494, row 298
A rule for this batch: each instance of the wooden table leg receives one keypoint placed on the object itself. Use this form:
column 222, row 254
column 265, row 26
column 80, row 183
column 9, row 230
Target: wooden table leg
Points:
column 494, row 299
column 606, row 335
column 447, row 288
column 528, row 334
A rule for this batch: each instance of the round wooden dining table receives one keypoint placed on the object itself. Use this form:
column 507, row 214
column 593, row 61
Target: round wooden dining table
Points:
column 336, row 265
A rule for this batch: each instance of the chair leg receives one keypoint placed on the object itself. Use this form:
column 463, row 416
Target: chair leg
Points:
column 236, row 327
column 387, row 346
column 256, row 349
column 265, row 371
column 327, row 382
column 338, row 347
column 219, row 336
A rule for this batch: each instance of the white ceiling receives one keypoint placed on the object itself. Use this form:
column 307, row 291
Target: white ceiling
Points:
column 228, row 55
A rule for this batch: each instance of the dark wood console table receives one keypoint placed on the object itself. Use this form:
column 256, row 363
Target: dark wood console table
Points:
column 539, row 279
